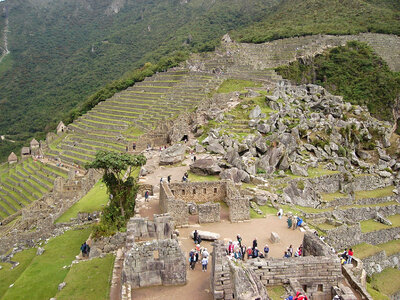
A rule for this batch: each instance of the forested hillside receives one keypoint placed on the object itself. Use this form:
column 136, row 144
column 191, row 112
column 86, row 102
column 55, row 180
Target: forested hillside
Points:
column 62, row 51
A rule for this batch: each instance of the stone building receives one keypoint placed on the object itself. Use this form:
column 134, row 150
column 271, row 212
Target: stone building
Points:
column 182, row 199
column 25, row 152
column 61, row 128
column 12, row 158
column 34, row 144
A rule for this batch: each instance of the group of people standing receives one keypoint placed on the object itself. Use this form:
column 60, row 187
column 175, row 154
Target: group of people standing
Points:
column 237, row 250
column 294, row 222
column 347, row 256
column 289, row 252
column 198, row 254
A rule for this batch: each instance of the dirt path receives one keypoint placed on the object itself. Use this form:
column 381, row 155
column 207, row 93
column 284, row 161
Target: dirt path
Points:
column 198, row 282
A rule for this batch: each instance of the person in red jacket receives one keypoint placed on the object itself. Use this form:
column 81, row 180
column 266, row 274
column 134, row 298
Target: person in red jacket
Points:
column 350, row 256
column 300, row 296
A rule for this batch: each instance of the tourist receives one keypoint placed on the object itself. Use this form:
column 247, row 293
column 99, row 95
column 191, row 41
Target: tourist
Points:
column 83, row 249
column 266, row 250
column 290, row 250
column 289, row 298
column 161, row 180
column 350, row 256
column 184, row 178
column 344, row 257
column 146, row 196
column 254, row 243
column 205, row 253
column 237, row 254
column 299, row 222
column 192, row 259
column 249, row 253
column 199, row 240
column 194, row 158
column 195, row 234
column 169, row 179
column 197, row 247
column 300, row 296
column 239, row 239
column 230, row 247
column 255, row 252
column 186, row 175
column 280, row 213
column 204, row 263
column 289, row 222
column 243, row 251
column 294, row 222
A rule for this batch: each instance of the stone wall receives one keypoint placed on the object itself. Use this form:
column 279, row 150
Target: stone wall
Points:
column 199, row 191
column 209, row 212
column 159, row 262
column 313, row 273
column 346, row 236
column 312, row 245
column 176, row 208
column 141, row 228
column 221, row 283
column 239, row 207
column 370, row 182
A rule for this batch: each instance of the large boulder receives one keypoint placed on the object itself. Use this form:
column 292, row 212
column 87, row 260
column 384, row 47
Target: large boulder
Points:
column 274, row 238
column 216, row 147
column 236, row 175
column 206, row 166
column 298, row 170
column 255, row 113
column 173, row 154
column 206, row 235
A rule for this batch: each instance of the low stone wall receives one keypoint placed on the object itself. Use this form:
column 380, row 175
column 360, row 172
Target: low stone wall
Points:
column 369, row 201
column 176, row 208
column 370, row 182
column 313, row 246
column 346, row 236
column 159, row 262
column 209, row 212
column 141, row 228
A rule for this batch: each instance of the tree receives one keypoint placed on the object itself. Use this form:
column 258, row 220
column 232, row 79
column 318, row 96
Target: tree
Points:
column 121, row 186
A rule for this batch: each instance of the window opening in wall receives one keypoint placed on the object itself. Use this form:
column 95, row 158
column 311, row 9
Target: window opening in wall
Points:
column 215, row 190
column 173, row 192
column 320, row 288
column 183, row 192
column 205, row 191
column 194, row 192
column 305, row 288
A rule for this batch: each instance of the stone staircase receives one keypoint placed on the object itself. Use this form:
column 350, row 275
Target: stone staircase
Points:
column 25, row 182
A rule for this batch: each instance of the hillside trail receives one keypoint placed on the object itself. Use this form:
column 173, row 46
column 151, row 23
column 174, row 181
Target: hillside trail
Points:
column 5, row 37
column 198, row 282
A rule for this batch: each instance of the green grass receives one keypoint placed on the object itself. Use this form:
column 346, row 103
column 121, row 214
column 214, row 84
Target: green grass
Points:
column 276, row 292
column 41, row 278
column 317, row 172
column 94, row 200
column 194, row 177
column 89, row 280
column 8, row 276
column 387, row 282
column 365, row 250
column 391, row 247
column 332, row 196
column 326, row 226
column 383, row 192
column 375, row 294
column 233, row 85
column 372, row 225
column 266, row 209
column 133, row 131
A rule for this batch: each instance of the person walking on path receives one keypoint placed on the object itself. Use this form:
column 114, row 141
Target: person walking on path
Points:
column 169, row 179
column 83, row 249
column 239, row 239
column 146, row 196
column 195, row 234
column 254, row 244
column 204, row 263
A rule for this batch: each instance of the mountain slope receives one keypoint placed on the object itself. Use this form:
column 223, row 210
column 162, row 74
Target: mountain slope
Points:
column 296, row 18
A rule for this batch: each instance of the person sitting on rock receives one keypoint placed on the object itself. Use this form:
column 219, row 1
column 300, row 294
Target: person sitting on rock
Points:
column 255, row 252
column 249, row 253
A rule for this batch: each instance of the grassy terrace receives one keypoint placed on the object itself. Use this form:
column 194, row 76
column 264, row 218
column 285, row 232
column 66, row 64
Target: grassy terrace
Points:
column 366, row 250
column 94, row 200
column 39, row 276
column 332, row 196
column 385, row 282
column 372, row 225
column 383, row 192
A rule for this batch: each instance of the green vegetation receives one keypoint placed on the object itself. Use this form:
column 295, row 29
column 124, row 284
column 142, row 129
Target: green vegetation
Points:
column 372, row 225
column 122, row 187
column 8, row 276
column 383, row 282
column 89, row 280
column 41, row 278
column 266, row 209
column 94, row 200
column 194, row 177
column 332, row 196
column 382, row 192
column 391, row 247
column 233, row 85
column 365, row 250
column 353, row 71
column 375, row 294
column 297, row 18
column 276, row 292
column 326, row 226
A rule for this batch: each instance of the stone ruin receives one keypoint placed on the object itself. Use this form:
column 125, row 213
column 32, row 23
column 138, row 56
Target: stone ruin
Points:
column 318, row 273
column 159, row 261
column 182, row 199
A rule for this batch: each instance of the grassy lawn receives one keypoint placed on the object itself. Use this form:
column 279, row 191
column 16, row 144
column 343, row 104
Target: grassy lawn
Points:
column 233, row 85
column 375, row 294
column 326, row 226
column 386, row 282
column 89, row 280
column 194, row 177
column 383, row 192
column 266, row 209
column 391, row 247
column 94, row 200
column 365, row 250
column 8, row 276
column 372, row 225
column 332, row 196
column 276, row 292
column 41, row 278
